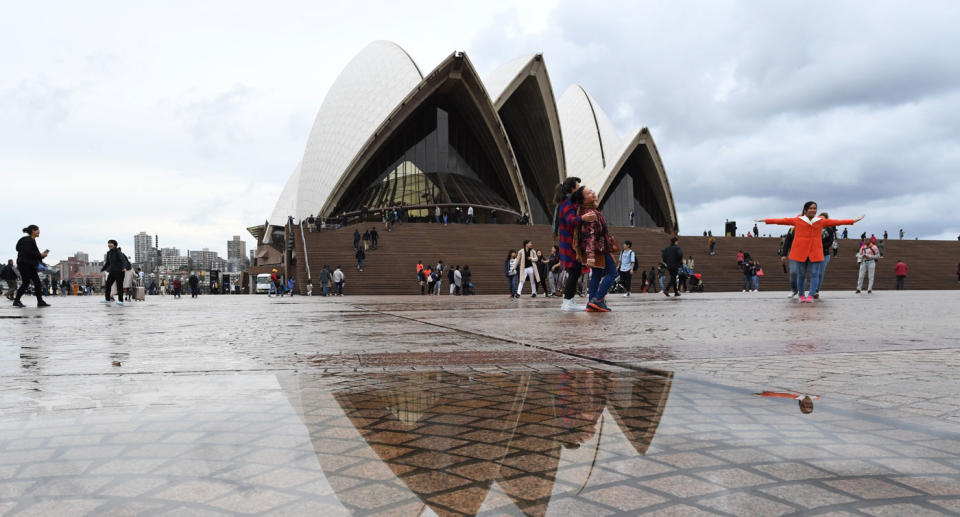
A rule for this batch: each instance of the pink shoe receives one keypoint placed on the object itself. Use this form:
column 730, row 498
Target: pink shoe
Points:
column 807, row 299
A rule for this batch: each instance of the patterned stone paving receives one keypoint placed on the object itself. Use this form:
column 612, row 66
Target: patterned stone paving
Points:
column 376, row 407
column 534, row 441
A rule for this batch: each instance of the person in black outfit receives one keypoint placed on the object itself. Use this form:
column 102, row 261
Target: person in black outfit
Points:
column 467, row 282
column 673, row 257
column 115, row 265
column 374, row 238
column 28, row 260
column 356, row 239
column 9, row 275
column 194, row 286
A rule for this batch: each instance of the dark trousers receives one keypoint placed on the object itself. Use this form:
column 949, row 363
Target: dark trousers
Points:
column 193, row 291
column 900, row 279
column 573, row 278
column 28, row 273
column 671, row 280
column 114, row 276
column 626, row 278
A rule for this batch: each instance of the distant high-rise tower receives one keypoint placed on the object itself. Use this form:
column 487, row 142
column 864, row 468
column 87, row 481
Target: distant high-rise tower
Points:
column 142, row 247
column 236, row 248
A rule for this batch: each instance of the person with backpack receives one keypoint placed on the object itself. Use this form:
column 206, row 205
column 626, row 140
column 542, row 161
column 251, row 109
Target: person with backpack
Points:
column 628, row 264
column 9, row 275
column 115, row 264
column 829, row 236
column 672, row 257
column 361, row 255
column 807, row 247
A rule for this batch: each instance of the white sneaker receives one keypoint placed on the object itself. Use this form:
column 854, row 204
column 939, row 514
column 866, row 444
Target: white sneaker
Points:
column 743, row 291
column 571, row 306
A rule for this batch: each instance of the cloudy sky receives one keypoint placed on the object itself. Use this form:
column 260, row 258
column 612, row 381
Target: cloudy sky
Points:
column 184, row 119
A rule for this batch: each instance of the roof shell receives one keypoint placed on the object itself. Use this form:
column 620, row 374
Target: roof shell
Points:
column 589, row 138
column 373, row 83
column 287, row 202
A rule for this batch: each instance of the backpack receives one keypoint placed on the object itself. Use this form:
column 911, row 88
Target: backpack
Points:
column 126, row 262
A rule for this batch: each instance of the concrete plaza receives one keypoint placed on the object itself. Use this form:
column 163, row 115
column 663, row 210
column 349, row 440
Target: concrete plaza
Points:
column 424, row 405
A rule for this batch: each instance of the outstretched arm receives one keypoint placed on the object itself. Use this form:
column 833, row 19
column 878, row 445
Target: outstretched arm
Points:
column 841, row 222
column 787, row 221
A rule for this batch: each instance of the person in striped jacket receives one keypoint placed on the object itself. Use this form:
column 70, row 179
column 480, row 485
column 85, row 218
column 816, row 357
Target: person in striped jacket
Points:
column 565, row 219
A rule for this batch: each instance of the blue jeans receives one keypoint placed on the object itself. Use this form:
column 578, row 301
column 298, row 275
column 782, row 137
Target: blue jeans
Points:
column 513, row 283
column 823, row 271
column 599, row 287
column 815, row 269
column 756, row 283
column 747, row 283
column 359, row 263
column 324, row 288
column 793, row 275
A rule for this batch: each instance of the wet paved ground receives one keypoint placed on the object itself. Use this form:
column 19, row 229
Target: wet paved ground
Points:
column 466, row 406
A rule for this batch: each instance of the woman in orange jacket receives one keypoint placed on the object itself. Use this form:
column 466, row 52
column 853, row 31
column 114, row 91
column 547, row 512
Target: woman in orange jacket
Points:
column 807, row 249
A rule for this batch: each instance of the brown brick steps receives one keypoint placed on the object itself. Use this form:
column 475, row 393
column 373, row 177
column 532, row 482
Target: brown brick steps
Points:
column 391, row 268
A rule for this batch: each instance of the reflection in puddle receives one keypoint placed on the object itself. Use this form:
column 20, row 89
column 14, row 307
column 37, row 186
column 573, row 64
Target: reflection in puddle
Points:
column 459, row 443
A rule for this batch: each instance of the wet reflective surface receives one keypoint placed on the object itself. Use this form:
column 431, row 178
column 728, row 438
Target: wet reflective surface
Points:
column 377, row 407
column 525, row 442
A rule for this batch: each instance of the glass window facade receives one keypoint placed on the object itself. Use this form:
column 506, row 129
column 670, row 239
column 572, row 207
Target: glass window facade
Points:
column 433, row 159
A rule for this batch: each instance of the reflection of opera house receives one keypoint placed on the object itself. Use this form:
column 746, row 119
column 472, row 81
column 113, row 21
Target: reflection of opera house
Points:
column 443, row 443
column 387, row 135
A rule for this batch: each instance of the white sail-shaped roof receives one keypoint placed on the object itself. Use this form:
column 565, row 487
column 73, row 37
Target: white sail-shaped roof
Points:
column 287, row 202
column 590, row 141
column 374, row 82
column 498, row 81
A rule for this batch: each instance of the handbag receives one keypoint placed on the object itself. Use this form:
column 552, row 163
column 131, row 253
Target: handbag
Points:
column 759, row 271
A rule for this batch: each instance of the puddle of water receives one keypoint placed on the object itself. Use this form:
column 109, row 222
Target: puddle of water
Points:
column 555, row 442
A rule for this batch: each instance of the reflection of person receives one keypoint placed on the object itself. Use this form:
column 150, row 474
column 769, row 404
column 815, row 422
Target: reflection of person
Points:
column 805, row 401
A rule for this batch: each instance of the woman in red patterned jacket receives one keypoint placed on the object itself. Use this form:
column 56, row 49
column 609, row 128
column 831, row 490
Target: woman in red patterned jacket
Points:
column 595, row 248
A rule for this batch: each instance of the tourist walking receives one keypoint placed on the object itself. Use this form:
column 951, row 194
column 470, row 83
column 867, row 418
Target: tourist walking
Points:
column 807, row 248
column 713, row 246
column 29, row 259
column 195, row 286
column 360, row 254
column 628, row 263
column 867, row 256
column 9, row 275
column 439, row 269
column 900, row 269
column 458, row 281
column 356, row 239
column 470, row 215
column 451, row 273
column 115, row 264
column 374, row 238
column 366, row 240
column 652, row 279
column 338, row 280
column 565, row 219
column 553, row 269
column 178, row 288
column 290, row 284
column 509, row 271
column 324, row 279
column 467, row 279
column 527, row 267
column 543, row 271
column 672, row 256
column 595, row 248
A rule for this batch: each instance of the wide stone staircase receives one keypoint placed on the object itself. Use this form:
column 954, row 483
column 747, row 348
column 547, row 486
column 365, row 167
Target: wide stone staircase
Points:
column 391, row 269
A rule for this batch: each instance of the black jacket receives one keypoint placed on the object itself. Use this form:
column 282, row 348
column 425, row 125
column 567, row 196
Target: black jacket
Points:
column 673, row 256
column 7, row 272
column 28, row 254
column 193, row 280
column 827, row 236
column 113, row 262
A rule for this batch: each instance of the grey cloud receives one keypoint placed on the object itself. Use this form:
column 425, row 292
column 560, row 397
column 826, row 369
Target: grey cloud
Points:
column 849, row 105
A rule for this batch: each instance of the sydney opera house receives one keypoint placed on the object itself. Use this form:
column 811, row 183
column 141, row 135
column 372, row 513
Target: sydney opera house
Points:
column 389, row 135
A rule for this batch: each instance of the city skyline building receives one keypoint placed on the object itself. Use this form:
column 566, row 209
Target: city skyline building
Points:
column 236, row 249
column 143, row 250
